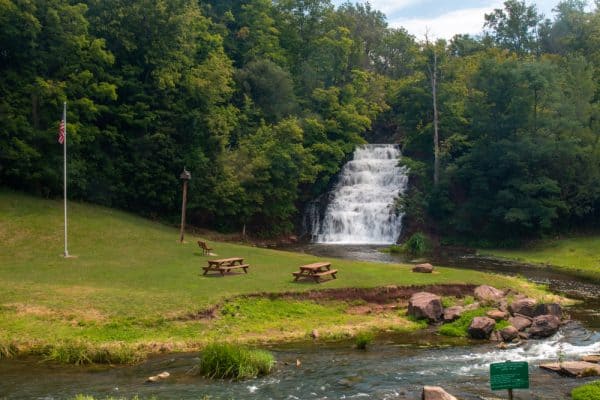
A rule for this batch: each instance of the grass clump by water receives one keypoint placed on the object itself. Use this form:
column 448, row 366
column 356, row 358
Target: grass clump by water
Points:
column 589, row 391
column 460, row 327
column 221, row 361
column 80, row 352
column 7, row 349
column 363, row 339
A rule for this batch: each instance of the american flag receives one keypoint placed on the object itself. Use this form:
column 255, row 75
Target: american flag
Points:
column 61, row 132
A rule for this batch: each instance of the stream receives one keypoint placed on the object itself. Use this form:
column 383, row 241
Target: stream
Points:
column 396, row 366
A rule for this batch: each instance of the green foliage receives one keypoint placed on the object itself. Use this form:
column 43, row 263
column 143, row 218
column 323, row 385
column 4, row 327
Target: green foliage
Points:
column 449, row 301
column 81, row 352
column 416, row 245
column 362, row 340
column 460, row 327
column 501, row 325
column 589, row 391
column 221, row 361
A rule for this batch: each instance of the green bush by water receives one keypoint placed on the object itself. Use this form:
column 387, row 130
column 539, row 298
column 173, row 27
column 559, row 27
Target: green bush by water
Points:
column 416, row 245
column 363, row 339
column 589, row 391
column 460, row 327
column 220, row 361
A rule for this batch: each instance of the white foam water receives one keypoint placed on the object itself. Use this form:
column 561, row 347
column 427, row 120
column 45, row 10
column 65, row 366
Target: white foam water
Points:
column 362, row 208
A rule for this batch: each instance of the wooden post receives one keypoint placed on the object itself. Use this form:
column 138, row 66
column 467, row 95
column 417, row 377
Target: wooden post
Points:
column 185, row 177
column 510, row 394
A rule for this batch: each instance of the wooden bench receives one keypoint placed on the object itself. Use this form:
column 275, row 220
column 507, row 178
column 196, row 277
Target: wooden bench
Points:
column 204, row 247
column 228, row 268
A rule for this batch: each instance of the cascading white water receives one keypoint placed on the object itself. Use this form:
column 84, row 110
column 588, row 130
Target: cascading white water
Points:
column 362, row 207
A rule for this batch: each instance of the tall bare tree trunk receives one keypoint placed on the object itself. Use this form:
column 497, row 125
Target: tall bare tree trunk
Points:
column 436, row 135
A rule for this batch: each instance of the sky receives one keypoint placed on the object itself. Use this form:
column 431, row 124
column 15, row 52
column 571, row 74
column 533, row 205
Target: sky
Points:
column 443, row 18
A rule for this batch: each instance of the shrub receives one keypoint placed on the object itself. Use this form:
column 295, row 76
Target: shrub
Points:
column 222, row 361
column 363, row 339
column 460, row 327
column 416, row 245
column 590, row 391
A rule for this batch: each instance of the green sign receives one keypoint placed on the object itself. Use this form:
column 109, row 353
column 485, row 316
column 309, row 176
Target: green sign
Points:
column 509, row 375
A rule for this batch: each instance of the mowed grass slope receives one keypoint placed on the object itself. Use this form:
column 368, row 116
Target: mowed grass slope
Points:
column 131, row 281
column 580, row 255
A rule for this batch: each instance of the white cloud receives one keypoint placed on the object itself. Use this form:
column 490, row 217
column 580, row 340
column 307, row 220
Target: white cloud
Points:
column 391, row 7
column 469, row 20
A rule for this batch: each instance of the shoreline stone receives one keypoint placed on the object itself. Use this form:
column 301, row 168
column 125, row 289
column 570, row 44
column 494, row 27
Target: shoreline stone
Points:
column 425, row 305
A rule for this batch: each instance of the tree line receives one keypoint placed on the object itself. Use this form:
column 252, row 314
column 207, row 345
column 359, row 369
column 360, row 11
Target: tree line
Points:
column 263, row 101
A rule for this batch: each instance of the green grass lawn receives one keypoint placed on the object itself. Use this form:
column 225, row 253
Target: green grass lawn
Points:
column 580, row 255
column 132, row 282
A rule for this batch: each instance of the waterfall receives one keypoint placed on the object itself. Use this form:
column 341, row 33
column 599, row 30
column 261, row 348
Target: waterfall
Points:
column 362, row 203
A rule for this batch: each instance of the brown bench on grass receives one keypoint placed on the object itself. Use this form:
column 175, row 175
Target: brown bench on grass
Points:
column 204, row 247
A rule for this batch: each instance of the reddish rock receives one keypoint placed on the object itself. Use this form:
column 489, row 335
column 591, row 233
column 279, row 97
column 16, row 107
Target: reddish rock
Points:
column 488, row 293
column 548, row 309
column 544, row 326
column 593, row 358
column 453, row 313
column 436, row 393
column 524, row 306
column 425, row 305
column 497, row 315
column 423, row 268
column 520, row 322
column 495, row 336
column 509, row 333
column 573, row 368
column 481, row 327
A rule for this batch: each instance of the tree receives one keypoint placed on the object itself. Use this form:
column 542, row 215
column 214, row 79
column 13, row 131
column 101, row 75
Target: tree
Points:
column 514, row 27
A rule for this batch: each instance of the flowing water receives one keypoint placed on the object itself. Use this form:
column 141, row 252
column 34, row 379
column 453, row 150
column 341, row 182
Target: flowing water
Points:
column 361, row 207
column 393, row 368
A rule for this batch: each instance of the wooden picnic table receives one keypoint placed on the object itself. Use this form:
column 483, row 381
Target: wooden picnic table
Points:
column 315, row 271
column 225, row 265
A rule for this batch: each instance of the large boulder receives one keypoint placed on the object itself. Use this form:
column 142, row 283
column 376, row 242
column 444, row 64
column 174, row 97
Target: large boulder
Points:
column 548, row 309
column 524, row 306
column 520, row 322
column 425, row 305
column 488, row 293
column 423, row 268
column 436, row 393
column 509, row 333
column 573, row 368
column 544, row 326
column 481, row 327
column 453, row 313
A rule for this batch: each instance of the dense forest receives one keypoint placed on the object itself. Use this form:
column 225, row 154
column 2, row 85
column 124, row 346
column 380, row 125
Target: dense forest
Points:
column 263, row 101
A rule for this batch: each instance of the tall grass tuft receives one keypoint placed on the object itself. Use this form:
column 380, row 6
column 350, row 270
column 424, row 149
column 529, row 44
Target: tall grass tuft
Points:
column 220, row 361
column 416, row 245
column 80, row 352
column 7, row 349
column 363, row 339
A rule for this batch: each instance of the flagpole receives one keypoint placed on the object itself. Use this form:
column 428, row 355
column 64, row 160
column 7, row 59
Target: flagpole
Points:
column 65, row 174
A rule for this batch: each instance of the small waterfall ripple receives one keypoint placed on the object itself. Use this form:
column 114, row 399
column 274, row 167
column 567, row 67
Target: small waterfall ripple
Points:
column 362, row 207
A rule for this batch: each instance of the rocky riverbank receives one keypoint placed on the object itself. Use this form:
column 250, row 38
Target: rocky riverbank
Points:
column 510, row 316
